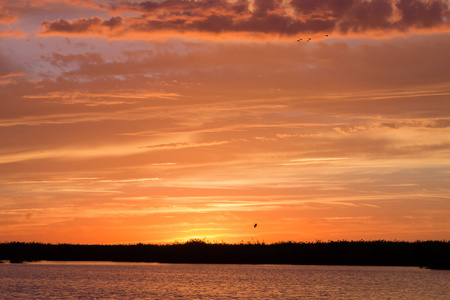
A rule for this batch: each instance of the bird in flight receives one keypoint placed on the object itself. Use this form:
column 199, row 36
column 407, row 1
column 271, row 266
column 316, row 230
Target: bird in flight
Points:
column 254, row 226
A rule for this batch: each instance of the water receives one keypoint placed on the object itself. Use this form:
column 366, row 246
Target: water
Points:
column 67, row 280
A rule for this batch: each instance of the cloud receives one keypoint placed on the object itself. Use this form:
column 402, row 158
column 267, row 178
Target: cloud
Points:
column 267, row 17
column 96, row 99
column 184, row 145
column 12, row 33
column 422, row 14
column 6, row 16
column 10, row 77
column 321, row 160
column 363, row 16
column 392, row 66
column 94, row 25
column 422, row 124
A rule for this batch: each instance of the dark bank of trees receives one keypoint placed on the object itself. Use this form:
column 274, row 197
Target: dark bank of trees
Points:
column 432, row 254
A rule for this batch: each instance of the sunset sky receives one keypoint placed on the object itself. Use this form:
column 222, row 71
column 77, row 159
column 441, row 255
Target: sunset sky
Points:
column 159, row 121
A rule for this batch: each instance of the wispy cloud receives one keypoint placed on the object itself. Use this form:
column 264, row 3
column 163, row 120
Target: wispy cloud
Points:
column 301, row 161
column 96, row 99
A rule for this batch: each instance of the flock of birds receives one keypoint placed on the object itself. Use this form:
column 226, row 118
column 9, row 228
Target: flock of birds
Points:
column 309, row 39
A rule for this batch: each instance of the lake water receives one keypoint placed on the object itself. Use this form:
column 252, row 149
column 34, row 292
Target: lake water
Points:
column 70, row 280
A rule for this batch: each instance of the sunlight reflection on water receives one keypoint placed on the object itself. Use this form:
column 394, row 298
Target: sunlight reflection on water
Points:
column 47, row 280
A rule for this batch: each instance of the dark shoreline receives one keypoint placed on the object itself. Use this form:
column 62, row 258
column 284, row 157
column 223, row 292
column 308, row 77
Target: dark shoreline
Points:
column 427, row 254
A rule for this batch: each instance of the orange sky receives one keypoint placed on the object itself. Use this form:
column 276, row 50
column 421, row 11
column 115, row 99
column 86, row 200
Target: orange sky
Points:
column 161, row 121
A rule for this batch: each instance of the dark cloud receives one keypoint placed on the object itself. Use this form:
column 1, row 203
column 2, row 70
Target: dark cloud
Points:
column 83, row 25
column 113, row 22
column 419, row 13
column 184, row 8
column 363, row 16
column 264, row 7
column 75, row 26
column 262, row 16
column 334, row 8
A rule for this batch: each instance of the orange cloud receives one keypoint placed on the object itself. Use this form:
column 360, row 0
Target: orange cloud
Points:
column 9, row 77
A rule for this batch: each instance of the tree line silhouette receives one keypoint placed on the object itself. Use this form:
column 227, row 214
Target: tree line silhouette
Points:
column 430, row 254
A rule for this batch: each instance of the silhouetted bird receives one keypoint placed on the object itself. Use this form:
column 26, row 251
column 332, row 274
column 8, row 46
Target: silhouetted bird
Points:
column 254, row 226
column 299, row 40
column 326, row 34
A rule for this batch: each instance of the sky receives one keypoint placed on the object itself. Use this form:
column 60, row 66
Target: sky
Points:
column 163, row 121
